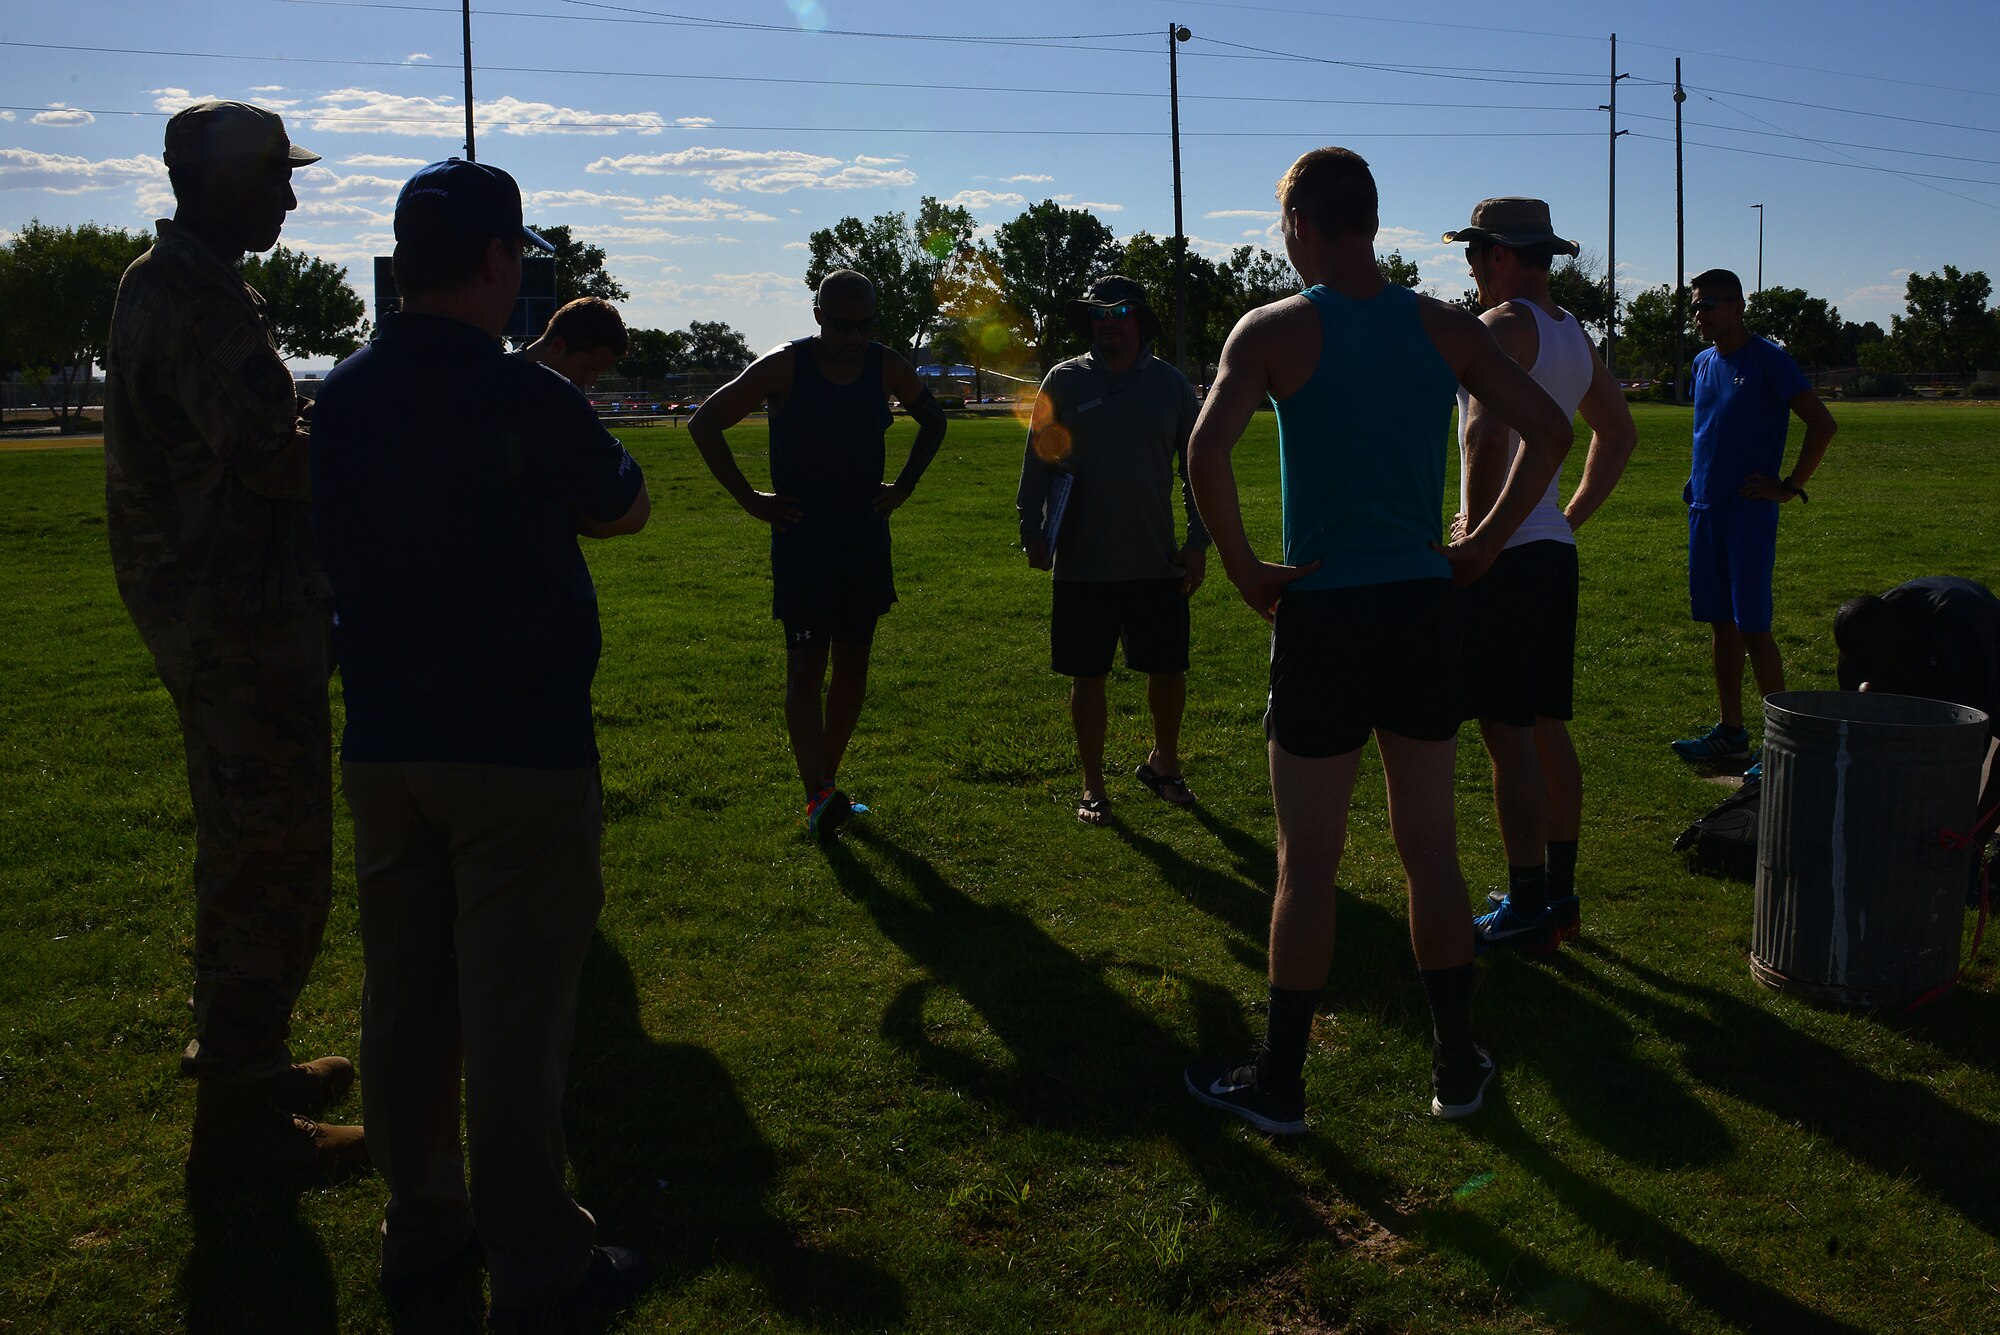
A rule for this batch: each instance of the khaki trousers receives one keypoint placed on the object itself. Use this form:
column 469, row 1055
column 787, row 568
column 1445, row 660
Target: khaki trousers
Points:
column 479, row 887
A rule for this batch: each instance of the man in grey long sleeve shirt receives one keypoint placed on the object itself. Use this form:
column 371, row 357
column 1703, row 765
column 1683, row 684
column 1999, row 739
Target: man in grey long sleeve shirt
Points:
column 1116, row 421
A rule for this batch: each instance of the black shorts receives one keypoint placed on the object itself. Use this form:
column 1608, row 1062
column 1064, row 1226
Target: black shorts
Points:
column 818, row 632
column 1345, row 662
column 1519, row 622
column 1090, row 617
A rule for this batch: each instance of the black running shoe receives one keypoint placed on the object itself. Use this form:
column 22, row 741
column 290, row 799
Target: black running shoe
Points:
column 1458, row 1085
column 1237, row 1087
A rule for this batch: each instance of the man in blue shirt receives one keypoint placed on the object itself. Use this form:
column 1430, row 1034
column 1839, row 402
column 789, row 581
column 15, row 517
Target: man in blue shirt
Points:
column 468, row 635
column 1746, row 390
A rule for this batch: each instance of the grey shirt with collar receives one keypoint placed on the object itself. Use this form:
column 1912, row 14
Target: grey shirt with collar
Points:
column 1123, row 436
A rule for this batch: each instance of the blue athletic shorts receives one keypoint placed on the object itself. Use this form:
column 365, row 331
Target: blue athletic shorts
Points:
column 1730, row 557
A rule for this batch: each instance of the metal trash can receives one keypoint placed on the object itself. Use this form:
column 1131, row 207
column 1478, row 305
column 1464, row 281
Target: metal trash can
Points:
column 1860, row 883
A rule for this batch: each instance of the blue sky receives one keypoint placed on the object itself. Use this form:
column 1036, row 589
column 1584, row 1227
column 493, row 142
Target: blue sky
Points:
column 701, row 142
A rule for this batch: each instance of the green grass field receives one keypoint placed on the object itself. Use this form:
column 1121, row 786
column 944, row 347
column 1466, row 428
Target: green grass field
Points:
column 930, row 1078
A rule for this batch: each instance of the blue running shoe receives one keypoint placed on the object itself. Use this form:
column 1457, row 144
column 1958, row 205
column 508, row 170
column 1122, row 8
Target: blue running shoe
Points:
column 1504, row 927
column 1719, row 743
column 1566, row 910
column 1755, row 772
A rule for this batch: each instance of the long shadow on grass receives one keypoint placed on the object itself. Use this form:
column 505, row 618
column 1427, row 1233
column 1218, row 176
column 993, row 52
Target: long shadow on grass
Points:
column 1897, row 1127
column 255, row 1266
column 1964, row 1024
column 1635, row 1235
column 669, row 1159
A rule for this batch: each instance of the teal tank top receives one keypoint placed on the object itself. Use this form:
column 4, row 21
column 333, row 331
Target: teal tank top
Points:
column 1362, row 445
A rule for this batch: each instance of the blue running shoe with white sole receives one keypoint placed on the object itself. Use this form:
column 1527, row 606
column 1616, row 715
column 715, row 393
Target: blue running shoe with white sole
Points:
column 1721, row 742
column 1506, row 928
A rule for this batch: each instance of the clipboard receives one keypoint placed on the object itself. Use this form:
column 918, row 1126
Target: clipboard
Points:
column 1061, row 482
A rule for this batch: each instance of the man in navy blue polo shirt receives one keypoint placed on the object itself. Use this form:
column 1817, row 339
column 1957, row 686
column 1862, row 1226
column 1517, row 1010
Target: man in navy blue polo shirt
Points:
column 1746, row 391
column 450, row 482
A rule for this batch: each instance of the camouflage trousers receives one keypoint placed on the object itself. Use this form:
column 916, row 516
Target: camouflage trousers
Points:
column 253, row 714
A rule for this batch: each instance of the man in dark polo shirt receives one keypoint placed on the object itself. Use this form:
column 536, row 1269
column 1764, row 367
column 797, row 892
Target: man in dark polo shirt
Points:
column 828, row 509
column 449, row 484
column 1116, row 421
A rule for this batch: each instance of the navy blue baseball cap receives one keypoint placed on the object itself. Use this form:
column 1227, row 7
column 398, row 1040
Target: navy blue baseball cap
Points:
column 455, row 198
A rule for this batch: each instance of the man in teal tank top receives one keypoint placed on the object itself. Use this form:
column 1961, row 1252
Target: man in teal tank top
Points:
column 1364, row 376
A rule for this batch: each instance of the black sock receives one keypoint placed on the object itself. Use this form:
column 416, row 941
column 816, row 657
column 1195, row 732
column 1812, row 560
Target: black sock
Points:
column 1282, row 1059
column 1528, row 887
column 1562, row 868
column 1450, row 993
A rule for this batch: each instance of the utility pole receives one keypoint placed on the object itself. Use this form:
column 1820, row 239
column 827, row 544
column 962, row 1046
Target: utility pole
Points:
column 470, row 155
column 1611, row 242
column 1680, row 241
column 1760, row 247
column 1177, row 34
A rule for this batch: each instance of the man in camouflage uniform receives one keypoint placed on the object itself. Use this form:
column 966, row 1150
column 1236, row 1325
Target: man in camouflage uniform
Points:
column 206, row 498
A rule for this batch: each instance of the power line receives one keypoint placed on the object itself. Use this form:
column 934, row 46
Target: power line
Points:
column 335, row 116
column 1841, row 143
column 1827, row 162
column 816, row 83
column 745, row 24
column 1472, row 73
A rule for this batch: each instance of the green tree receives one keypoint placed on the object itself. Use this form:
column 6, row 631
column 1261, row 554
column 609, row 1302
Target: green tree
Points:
column 907, row 259
column 1646, row 333
column 1854, row 336
column 974, row 313
column 1149, row 261
column 1047, row 256
column 1401, row 272
column 713, row 348
column 1805, row 326
column 1946, row 325
column 312, row 309
column 580, row 270
column 57, row 286
column 652, row 354
column 1256, row 278
column 1577, row 285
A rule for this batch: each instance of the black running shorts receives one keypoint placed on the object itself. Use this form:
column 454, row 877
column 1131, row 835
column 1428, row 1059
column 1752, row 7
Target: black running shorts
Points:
column 1090, row 617
column 1345, row 662
column 1520, row 635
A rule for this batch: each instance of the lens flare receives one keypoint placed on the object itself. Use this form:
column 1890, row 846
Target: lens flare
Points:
column 811, row 15
column 1052, row 442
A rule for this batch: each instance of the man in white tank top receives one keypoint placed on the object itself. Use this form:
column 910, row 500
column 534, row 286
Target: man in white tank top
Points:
column 1519, row 621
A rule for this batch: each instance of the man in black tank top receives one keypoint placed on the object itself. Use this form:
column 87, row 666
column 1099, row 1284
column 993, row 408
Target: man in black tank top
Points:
column 828, row 509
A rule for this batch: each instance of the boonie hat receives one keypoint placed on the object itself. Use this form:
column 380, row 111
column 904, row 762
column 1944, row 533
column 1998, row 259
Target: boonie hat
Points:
column 209, row 130
column 1111, row 290
column 1513, row 221
column 455, row 198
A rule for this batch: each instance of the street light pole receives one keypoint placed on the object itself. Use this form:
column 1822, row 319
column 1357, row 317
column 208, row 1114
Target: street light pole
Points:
column 1611, row 241
column 1760, row 246
column 1680, row 240
column 1176, row 34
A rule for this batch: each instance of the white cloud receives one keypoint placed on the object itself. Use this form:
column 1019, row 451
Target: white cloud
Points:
column 765, row 171
column 984, row 199
column 366, row 111
column 795, row 245
column 1242, row 213
column 674, row 208
column 1099, row 206
column 324, row 183
column 694, row 122
column 381, row 160
column 731, row 289
column 415, row 56
column 539, row 199
column 174, row 99
column 6, row 115
column 334, row 210
column 59, row 173
column 593, row 232
column 867, row 161
column 1041, row 179
column 268, row 88
column 721, row 240
column 58, row 114
column 1408, row 240
column 1215, row 250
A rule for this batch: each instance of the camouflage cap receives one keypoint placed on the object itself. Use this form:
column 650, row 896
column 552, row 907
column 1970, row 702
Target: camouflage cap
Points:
column 210, row 130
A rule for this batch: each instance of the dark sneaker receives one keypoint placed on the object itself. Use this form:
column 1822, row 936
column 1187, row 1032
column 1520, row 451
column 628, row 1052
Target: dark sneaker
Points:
column 1568, row 915
column 615, row 1278
column 1458, row 1086
column 1719, row 743
column 1236, row 1087
column 1505, row 927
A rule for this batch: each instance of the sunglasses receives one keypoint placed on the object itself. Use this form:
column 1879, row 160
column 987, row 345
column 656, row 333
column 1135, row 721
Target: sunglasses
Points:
column 1106, row 314
column 1709, row 303
column 833, row 325
column 1473, row 252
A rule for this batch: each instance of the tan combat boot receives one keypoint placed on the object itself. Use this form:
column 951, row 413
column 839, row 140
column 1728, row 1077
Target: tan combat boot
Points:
column 312, row 1087
column 240, row 1131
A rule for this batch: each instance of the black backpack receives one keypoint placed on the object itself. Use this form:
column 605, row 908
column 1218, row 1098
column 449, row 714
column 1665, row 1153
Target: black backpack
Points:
column 1724, row 842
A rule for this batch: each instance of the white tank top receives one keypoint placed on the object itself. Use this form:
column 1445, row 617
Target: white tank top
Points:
column 1564, row 365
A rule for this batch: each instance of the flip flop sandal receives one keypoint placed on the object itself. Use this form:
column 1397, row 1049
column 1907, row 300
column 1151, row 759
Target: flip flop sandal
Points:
column 1093, row 811
column 1169, row 788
